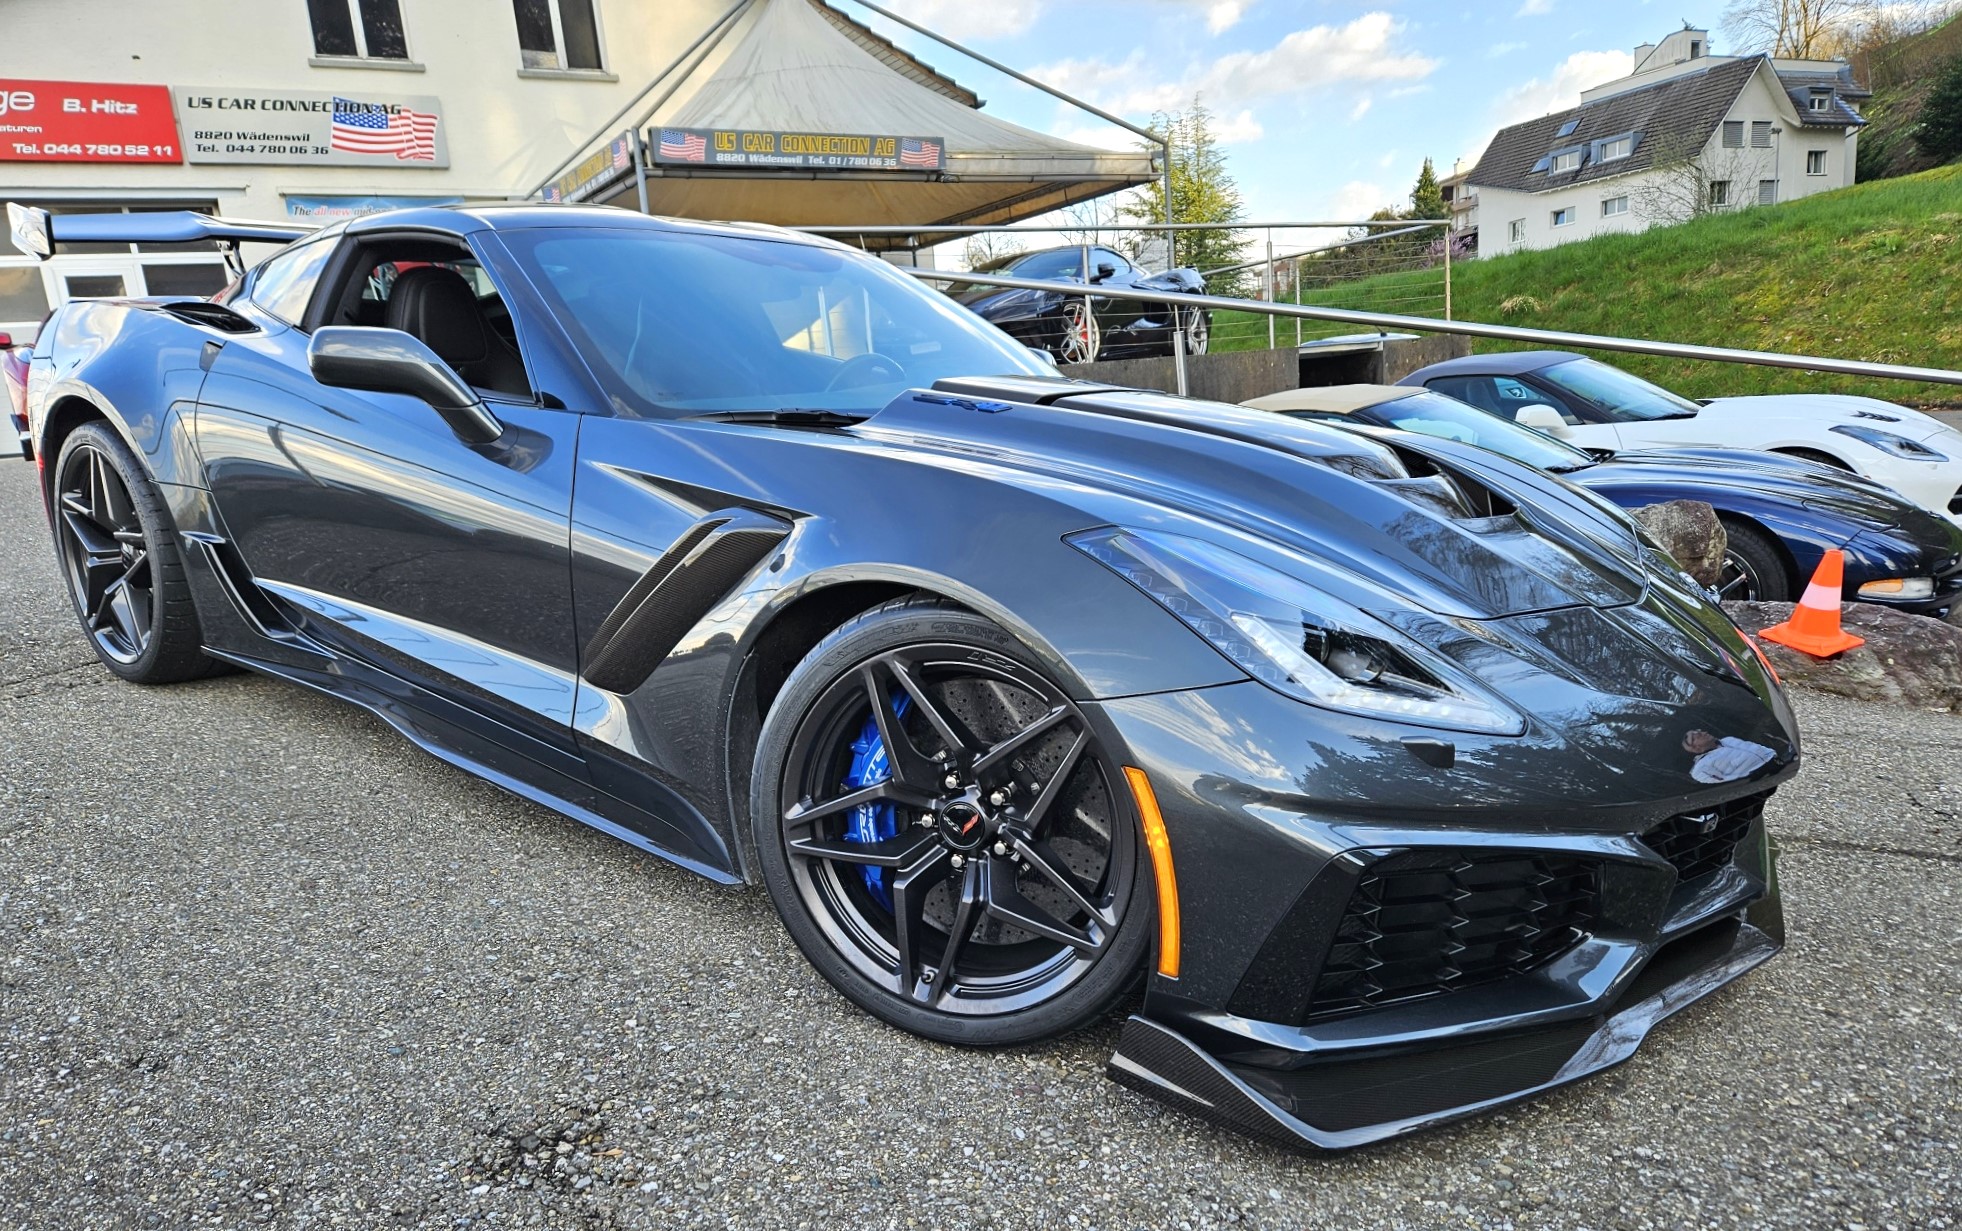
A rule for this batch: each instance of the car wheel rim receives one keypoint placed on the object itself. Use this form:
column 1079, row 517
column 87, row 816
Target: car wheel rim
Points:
column 104, row 554
column 1739, row 582
column 1080, row 334
column 982, row 866
column 1196, row 330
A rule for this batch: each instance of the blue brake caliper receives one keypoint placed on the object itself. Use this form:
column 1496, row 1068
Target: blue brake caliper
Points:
column 879, row 821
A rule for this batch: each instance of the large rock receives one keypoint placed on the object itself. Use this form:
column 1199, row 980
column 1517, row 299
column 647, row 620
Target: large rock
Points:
column 1690, row 531
column 1908, row 659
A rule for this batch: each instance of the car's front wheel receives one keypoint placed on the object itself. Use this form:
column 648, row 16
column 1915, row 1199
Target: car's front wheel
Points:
column 1198, row 331
column 1754, row 568
column 119, row 556
column 1081, row 338
column 944, row 834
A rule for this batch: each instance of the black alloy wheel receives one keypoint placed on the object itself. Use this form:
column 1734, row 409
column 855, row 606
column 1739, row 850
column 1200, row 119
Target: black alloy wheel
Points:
column 121, row 563
column 983, row 885
column 1754, row 569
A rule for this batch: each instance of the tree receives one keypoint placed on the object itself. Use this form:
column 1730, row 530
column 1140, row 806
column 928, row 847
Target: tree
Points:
column 1685, row 180
column 1794, row 29
column 987, row 246
column 1202, row 191
column 1427, row 199
column 1939, row 134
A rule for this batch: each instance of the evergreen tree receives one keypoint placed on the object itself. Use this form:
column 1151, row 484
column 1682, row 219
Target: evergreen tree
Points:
column 1202, row 191
column 1427, row 199
column 1939, row 134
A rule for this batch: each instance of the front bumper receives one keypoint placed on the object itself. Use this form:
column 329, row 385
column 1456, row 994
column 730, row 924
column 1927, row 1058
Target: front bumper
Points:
column 1444, row 939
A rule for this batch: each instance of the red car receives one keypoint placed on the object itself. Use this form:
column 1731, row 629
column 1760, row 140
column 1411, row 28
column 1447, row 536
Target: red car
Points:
column 13, row 381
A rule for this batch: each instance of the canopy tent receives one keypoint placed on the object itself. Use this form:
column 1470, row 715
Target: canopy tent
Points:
column 793, row 71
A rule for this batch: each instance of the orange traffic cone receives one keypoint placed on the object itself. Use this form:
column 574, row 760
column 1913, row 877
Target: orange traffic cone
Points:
column 1814, row 626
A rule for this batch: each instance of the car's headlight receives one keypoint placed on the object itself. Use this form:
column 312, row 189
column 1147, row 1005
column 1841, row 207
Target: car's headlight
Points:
column 1888, row 442
column 1904, row 588
column 1295, row 638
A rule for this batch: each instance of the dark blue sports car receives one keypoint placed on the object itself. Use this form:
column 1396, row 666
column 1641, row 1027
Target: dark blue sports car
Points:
column 1781, row 514
column 1103, row 325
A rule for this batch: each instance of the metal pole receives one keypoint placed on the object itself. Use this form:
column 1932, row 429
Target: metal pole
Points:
column 1270, row 285
column 1297, row 302
column 640, row 168
column 715, row 31
column 1447, row 269
column 1550, row 338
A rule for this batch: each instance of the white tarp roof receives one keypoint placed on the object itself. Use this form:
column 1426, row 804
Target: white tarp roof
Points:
column 793, row 71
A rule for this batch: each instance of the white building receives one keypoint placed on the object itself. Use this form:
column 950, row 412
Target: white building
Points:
column 323, row 108
column 1686, row 133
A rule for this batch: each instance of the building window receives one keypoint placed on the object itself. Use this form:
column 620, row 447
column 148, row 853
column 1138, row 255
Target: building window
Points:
column 1720, row 192
column 1822, row 100
column 1516, row 230
column 1734, row 134
column 1614, row 207
column 1562, row 217
column 1569, row 161
column 1767, row 192
column 1567, row 129
column 358, row 29
column 1815, row 162
column 1760, row 134
column 1620, row 147
column 1696, row 49
column 558, row 34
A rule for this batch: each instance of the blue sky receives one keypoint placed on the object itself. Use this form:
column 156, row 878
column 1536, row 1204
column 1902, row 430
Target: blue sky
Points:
column 1329, row 107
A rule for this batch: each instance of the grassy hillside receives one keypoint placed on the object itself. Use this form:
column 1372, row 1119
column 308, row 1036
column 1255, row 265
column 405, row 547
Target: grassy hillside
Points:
column 1869, row 272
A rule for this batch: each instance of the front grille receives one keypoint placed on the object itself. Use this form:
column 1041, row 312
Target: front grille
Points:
column 1421, row 925
column 1700, row 843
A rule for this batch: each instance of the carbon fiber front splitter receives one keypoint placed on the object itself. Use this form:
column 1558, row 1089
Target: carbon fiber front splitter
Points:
column 1361, row 1099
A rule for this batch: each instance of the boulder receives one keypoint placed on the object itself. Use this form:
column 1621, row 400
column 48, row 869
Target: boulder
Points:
column 1690, row 531
column 1907, row 660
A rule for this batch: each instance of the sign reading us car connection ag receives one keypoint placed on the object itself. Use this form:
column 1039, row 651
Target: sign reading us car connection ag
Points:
column 86, row 121
column 740, row 147
column 353, row 129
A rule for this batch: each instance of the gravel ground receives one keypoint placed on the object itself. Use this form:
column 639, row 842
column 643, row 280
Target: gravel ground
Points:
column 262, row 962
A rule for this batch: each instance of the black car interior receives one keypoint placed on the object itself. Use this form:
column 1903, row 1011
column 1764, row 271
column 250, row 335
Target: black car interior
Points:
column 430, row 291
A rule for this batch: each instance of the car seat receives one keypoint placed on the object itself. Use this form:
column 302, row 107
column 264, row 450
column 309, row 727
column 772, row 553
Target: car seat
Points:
column 438, row 306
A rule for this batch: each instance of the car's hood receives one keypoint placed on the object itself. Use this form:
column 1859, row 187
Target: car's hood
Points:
column 1704, row 474
column 1456, row 531
column 1828, row 409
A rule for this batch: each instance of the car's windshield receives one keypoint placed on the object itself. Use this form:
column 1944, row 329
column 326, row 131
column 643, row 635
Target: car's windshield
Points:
column 678, row 323
column 1625, row 398
column 1433, row 414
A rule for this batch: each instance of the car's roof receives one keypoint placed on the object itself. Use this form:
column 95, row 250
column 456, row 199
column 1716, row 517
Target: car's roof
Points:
column 520, row 216
column 1498, row 363
column 1333, row 399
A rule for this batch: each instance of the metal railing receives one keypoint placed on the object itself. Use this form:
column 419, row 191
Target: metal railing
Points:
column 1476, row 329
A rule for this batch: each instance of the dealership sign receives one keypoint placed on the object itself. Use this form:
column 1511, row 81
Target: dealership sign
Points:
column 739, row 147
column 86, row 121
column 353, row 129
column 597, row 173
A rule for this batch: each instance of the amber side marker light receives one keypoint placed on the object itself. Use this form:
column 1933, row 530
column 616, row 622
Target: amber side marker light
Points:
column 1160, row 847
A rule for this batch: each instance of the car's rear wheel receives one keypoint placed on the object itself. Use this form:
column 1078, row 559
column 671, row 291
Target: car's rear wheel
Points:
column 1081, row 337
column 119, row 556
column 1198, row 332
column 944, row 834
column 1754, row 569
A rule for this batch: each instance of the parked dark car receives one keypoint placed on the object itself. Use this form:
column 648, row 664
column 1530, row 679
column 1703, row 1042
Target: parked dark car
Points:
column 1117, row 328
column 1780, row 514
column 751, row 551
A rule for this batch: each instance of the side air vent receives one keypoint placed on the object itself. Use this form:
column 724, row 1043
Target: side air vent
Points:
column 210, row 315
column 671, row 597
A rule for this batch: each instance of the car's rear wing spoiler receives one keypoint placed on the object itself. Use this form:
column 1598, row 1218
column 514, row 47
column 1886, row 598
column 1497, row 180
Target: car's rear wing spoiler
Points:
column 37, row 232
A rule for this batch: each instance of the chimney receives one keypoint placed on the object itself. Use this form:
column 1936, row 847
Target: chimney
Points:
column 1643, row 53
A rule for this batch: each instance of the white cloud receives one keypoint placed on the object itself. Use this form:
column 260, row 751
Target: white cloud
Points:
column 1562, row 88
column 1225, row 14
column 1361, row 108
column 1358, row 199
column 966, row 19
column 1502, row 49
column 1237, row 129
column 1365, row 49
column 1535, row 8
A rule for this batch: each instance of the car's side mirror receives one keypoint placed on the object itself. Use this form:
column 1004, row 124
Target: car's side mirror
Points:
column 1542, row 418
column 391, row 361
column 6, row 341
column 1106, row 270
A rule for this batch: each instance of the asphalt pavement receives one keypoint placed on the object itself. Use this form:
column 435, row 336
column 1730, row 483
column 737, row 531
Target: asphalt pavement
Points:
column 263, row 962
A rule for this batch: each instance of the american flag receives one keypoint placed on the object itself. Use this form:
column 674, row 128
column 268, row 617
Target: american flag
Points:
column 369, row 128
column 914, row 153
column 681, row 144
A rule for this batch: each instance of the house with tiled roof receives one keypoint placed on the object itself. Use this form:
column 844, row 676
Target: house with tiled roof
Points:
column 1686, row 133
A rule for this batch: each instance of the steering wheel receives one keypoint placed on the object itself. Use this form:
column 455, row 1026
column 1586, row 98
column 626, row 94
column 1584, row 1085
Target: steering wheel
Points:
column 859, row 369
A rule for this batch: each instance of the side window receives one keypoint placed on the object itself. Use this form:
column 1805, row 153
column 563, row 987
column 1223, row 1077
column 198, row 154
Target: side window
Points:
column 1062, row 263
column 1104, row 256
column 443, row 296
column 1504, row 396
column 285, row 283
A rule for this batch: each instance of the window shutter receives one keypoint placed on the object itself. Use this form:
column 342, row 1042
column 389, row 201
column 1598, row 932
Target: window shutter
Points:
column 1760, row 134
column 1734, row 134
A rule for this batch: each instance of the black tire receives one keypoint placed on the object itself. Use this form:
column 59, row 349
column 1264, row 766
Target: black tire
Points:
column 1754, row 566
column 118, row 554
column 1048, row 809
